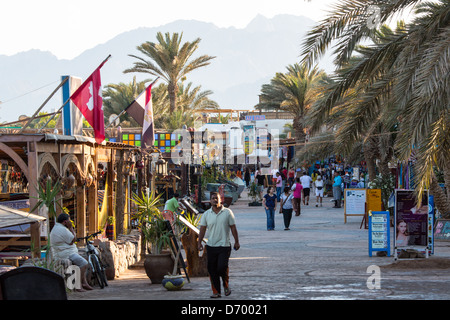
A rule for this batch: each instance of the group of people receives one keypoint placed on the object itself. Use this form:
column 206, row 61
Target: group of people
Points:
column 291, row 197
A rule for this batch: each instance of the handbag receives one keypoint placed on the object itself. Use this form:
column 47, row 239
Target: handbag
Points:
column 281, row 208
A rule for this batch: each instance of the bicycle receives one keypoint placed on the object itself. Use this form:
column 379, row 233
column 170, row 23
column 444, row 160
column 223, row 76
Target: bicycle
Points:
column 98, row 271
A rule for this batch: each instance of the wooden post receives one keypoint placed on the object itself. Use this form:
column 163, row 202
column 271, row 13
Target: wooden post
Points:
column 120, row 194
column 92, row 205
column 81, row 211
column 35, row 230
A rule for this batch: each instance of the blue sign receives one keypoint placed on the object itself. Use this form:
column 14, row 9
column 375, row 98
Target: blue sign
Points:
column 379, row 232
column 255, row 118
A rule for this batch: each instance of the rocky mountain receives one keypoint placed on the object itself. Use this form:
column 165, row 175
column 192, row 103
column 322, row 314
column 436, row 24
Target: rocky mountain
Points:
column 245, row 60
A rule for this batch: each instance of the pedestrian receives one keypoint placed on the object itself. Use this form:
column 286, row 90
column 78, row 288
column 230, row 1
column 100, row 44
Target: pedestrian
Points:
column 260, row 179
column 219, row 221
column 297, row 196
column 291, row 177
column 306, row 183
column 319, row 184
column 279, row 185
column 172, row 204
column 270, row 204
column 337, row 191
column 247, row 177
column 286, row 207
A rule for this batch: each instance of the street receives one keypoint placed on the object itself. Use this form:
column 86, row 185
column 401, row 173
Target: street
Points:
column 319, row 258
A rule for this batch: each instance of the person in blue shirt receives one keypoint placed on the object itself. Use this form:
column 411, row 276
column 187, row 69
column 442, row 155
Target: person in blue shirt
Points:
column 270, row 204
column 337, row 191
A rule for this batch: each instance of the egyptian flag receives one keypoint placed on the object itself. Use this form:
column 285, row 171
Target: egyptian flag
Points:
column 88, row 98
column 142, row 111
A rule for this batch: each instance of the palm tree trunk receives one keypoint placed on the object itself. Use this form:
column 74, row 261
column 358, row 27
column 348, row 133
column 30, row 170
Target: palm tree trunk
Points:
column 442, row 198
column 300, row 136
column 370, row 161
column 172, row 88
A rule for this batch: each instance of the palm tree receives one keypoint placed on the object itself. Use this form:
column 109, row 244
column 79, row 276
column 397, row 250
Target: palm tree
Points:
column 417, row 79
column 189, row 100
column 119, row 96
column 169, row 59
column 294, row 92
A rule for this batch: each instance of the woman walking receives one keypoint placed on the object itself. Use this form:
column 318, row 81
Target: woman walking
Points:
column 319, row 190
column 286, row 207
column 270, row 204
column 247, row 177
column 297, row 188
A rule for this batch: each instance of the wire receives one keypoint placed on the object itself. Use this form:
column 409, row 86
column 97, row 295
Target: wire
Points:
column 24, row 94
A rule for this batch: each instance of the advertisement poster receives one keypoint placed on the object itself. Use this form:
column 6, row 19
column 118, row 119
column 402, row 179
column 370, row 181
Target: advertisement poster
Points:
column 411, row 223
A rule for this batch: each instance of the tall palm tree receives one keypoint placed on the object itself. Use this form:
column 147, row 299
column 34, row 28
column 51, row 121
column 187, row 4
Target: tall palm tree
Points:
column 170, row 60
column 294, row 92
column 418, row 78
column 189, row 100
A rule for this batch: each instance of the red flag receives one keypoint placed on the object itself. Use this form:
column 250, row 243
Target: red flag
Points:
column 88, row 98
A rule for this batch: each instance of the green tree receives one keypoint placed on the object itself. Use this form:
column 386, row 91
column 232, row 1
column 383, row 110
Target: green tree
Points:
column 417, row 80
column 119, row 96
column 294, row 91
column 170, row 60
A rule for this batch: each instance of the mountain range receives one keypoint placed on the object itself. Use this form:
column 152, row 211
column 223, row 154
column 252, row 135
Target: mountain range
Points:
column 245, row 60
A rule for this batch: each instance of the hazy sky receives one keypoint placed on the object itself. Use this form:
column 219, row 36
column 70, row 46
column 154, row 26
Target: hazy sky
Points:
column 67, row 28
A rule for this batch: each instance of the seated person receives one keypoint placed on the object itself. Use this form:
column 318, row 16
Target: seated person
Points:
column 62, row 243
column 172, row 204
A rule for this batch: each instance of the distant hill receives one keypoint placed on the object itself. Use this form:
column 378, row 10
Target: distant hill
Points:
column 245, row 60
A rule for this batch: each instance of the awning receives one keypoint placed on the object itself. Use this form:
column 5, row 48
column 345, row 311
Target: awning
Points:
column 11, row 217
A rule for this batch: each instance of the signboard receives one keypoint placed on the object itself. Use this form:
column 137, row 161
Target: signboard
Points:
column 255, row 118
column 411, row 227
column 354, row 202
column 379, row 232
column 442, row 230
column 411, row 222
column 373, row 199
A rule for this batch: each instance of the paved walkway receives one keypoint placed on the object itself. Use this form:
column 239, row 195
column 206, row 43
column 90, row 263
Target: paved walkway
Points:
column 319, row 258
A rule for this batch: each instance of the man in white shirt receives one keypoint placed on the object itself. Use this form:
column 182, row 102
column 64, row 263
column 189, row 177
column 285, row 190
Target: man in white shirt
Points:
column 62, row 244
column 219, row 221
column 306, row 182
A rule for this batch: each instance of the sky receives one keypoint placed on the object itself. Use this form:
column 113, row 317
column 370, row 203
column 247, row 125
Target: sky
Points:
column 68, row 28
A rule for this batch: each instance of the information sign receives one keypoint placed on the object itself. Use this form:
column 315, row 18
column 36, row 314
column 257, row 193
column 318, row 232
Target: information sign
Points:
column 354, row 202
column 379, row 232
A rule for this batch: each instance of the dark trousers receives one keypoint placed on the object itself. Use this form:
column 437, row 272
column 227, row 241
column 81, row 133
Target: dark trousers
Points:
column 287, row 216
column 218, row 266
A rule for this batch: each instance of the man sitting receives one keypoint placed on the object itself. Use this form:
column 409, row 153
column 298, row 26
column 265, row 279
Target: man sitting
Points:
column 62, row 243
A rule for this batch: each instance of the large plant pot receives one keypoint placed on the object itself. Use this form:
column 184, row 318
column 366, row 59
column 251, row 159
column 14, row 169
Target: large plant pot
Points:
column 157, row 266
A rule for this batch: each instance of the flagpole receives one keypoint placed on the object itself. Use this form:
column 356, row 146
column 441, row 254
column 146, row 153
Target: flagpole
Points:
column 43, row 104
column 124, row 110
column 67, row 101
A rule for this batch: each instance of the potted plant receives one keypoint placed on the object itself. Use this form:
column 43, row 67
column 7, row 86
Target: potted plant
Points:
column 253, row 192
column 46, row 199
column 154, row 231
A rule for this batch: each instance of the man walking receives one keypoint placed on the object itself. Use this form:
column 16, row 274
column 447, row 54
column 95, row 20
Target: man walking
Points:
column 306, row 183
column 219, row 221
